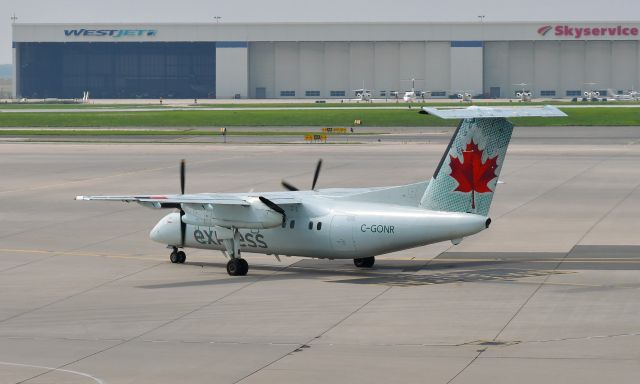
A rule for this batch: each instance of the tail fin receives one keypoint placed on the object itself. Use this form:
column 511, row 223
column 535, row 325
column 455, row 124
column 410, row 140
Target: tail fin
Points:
column 466, row 177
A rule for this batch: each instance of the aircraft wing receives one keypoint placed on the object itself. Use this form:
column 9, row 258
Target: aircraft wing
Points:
column 174, row 201
column 494, row 112
column 226, row 210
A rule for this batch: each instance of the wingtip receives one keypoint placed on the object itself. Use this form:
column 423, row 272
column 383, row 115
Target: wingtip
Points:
column 80, row 198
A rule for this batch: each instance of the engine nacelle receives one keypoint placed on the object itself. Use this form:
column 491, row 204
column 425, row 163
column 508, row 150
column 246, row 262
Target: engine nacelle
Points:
column 256, row 215
column 519, row 94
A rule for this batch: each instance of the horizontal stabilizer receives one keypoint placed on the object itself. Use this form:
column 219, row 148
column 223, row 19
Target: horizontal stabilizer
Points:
column 494, row 112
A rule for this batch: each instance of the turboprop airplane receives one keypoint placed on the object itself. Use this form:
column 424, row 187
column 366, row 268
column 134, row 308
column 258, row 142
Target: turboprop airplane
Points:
column 465, row 96
column 413, row 96
column 523, row 95
column 348, row 223
column 363, row 95
column 630, row 95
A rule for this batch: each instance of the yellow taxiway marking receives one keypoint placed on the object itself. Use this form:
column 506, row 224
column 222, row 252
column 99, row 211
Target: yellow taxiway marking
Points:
column 572, row 260
column 105, row 177
column 563, row 284
column 76, row 253
column 128, row 256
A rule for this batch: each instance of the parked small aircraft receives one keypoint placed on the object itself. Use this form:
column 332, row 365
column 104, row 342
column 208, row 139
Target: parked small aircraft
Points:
column 413, row 95
column 524, row 95
column 629, row 95
column 465, row 96
column 364, row 95
column 348, row 223
column 591, row 94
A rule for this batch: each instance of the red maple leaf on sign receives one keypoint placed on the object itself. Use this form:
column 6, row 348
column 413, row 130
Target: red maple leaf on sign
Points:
column 471, row 174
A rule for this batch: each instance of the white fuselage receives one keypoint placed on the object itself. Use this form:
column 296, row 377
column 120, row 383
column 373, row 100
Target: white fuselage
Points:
column 345, row 230
column 409, row 97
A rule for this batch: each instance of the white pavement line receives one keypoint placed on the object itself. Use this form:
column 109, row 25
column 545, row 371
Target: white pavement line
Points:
column 52, row 369
column 139, row 336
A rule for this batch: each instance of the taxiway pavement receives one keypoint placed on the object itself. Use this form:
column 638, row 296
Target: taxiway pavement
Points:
column 550, row 293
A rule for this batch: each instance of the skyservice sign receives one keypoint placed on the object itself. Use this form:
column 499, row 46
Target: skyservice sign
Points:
column 113, row 33
column 567, row 31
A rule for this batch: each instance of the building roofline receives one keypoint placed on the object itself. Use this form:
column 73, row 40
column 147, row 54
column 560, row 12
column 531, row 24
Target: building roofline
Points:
column 342, row 23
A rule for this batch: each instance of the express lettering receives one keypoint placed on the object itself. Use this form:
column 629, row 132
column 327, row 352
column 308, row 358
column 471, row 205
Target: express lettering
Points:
column 377, row 228
column 249, row 240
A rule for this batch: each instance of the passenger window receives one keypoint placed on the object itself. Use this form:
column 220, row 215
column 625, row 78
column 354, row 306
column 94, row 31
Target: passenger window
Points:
column 311, row 225
column 292, row 224
column 284, row 224
column 319, row 226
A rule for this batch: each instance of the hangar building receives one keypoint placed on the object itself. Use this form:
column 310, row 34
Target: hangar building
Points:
column 322, row 60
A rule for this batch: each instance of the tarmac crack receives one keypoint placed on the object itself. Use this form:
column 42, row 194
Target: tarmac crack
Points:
column 593, row 337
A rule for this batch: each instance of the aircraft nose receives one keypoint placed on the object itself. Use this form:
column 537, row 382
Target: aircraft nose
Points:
column 167, row 231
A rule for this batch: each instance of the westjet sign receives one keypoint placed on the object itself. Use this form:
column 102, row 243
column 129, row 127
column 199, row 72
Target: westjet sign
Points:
column 569, row 31
column 114, row 33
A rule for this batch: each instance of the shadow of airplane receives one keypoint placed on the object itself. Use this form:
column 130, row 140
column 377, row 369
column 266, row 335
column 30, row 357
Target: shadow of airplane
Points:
column 385, row 272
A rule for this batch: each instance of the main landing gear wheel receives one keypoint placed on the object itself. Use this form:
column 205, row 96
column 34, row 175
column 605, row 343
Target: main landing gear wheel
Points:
column 178, row 257
column 237, row 267
column 365, row 262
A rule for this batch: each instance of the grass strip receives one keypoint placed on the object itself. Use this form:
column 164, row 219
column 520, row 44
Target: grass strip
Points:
column 313, row 118
column 164, row 132
column 443, row 103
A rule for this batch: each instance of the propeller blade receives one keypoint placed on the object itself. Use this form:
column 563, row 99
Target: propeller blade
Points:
column 182, row 176
column 183, row 225
column 289, row 186
column 315, row 176
column 274, row 207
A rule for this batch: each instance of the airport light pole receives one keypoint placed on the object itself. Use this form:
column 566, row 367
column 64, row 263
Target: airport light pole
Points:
column 481, row 17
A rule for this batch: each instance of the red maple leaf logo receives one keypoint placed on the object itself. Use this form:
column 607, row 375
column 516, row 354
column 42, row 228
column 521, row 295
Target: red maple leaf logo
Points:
column 471, row 174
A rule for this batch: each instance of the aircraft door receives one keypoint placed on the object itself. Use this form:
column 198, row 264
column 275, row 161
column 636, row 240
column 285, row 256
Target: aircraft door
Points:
column 342, row 233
